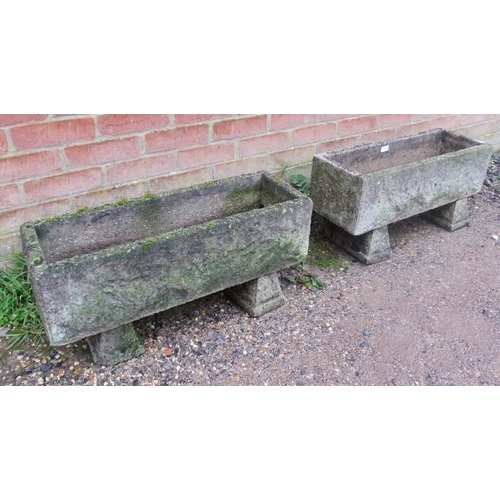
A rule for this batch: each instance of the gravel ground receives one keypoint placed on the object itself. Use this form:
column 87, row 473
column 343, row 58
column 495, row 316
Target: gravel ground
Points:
column 428, row 316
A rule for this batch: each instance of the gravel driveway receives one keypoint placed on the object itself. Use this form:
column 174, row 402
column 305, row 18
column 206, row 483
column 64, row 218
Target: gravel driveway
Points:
column 428, row 316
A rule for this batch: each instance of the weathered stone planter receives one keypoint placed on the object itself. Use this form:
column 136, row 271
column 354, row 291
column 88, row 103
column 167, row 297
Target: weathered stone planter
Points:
column 96, row 272
column 360, row 190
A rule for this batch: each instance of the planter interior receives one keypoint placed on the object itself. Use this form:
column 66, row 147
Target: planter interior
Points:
column 148, row 217
column 369, row 158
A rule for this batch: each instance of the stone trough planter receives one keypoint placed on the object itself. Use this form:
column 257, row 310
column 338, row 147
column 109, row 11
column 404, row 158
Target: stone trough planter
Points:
column 97, row 271
column 359, row 191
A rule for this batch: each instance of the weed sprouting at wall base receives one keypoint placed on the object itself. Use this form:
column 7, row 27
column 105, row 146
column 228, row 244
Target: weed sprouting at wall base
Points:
column 18, row 309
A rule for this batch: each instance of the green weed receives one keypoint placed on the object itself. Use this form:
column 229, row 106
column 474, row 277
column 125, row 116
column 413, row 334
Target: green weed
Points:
column 298, row 181
column 301, row 275
column 311, row 282
column 301, row 183
column 18, row 310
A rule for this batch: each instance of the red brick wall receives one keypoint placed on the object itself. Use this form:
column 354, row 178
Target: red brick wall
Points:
column 51, row 164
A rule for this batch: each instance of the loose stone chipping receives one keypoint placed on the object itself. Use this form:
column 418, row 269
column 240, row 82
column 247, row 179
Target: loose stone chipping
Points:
column 98, row 270
column 361, row 190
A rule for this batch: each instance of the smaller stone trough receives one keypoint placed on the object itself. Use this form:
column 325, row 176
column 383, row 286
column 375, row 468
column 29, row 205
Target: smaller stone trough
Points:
column 359, row 191
column 96, row 271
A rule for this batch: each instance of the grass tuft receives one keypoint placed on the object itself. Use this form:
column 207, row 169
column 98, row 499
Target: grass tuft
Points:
column 18, row 309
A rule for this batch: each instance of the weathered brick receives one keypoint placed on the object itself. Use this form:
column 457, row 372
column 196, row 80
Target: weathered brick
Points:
column 52, row 133
column 148, row 166
column 493, row 138
column 263, row 144
column 447, row 122
column 177, row 138
column 419, row 118
column 182, row 119
column 6, row 120
column 314, row 133
column 124, row 124
column 4, row 146
column 9, row 243
column 331, row 118
column 280, row 122
column 11, row 220
column 9, row 196
column 470, row 119
column 294, row 156
column 413, row 128
column 387, row 121
column 22, row 166
column 244, row 166
column 337, row 144
column 205, row 155
column 111, row 194
column 180, row 180
column 240, row 127
column 353, row 126
column 103, row 152
column 64, row 184
column 479, row 130
column 378, row 135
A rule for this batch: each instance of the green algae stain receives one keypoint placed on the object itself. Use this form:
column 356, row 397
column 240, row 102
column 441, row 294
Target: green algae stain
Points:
column 242, row 199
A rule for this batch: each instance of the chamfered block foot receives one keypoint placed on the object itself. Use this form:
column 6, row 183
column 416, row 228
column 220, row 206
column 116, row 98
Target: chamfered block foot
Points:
column 116, row 345
column 258, row 296
column 371, row 247
column 451, row 217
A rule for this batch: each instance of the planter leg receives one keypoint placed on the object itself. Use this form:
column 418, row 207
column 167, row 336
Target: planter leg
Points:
column 369, row 248
column 259, row 296
column 450, row 217
column 116, row 345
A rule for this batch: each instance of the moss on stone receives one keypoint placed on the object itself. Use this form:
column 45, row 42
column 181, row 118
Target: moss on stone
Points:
column 242, row 199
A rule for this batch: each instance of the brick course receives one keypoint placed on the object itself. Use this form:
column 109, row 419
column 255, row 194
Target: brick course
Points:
column 18, row 167
column 51, row 164
column 52, row 133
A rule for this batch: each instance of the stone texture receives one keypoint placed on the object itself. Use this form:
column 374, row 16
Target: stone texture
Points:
column 116, row 345
column 102, row 268
column 450, row 217
column 258, row 296
column 369, row 248
column 369, row 186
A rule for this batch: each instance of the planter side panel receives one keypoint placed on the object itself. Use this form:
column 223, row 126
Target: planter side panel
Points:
column 336, row 193
column 401, row 192
column 86, row 295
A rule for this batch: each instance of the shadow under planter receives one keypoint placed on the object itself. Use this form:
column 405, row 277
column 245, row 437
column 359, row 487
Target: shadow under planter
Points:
column 96, row 271
column 360, row 190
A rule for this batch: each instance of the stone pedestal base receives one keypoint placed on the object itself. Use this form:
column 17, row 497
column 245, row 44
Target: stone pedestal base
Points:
column 369, row 248
column 450, row 217
column 259, row 296
column 115, row 346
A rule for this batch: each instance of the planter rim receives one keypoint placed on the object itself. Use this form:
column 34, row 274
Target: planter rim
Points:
column 329, row 157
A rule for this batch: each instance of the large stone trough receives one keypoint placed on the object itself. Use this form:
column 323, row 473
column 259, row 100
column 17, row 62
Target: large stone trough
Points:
column 95, row 272
column 359, row 191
